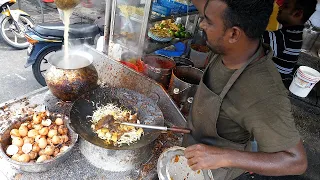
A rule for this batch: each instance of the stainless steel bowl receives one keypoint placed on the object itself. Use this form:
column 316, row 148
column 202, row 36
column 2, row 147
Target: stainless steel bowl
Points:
column 35, row 167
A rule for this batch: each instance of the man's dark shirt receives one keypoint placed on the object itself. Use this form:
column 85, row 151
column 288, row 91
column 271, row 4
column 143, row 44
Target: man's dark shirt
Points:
column 286, row 44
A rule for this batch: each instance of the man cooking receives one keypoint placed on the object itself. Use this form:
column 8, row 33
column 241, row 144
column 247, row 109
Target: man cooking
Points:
column 240, row 97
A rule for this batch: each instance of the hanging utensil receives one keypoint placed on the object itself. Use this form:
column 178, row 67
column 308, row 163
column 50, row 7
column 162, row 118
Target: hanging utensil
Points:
column 162, row 128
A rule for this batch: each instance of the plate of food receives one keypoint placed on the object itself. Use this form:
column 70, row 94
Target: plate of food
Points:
column 161, row 35
column 166, row 30
column 97, row 118
column 172, row 165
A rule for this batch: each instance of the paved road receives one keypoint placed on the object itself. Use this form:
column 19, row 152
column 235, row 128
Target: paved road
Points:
column 15, row 80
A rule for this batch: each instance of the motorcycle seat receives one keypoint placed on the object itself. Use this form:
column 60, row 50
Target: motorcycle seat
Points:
column 75, row 31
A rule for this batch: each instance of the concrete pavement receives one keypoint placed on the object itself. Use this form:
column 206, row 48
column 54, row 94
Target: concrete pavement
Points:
column 15, row 80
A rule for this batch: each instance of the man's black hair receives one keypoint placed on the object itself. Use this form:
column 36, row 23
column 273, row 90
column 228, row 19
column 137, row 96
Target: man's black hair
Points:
column 252, row 16
column 307, row 6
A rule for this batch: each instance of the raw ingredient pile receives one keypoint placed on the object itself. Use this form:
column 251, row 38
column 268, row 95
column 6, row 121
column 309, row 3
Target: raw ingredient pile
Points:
column 39, row 139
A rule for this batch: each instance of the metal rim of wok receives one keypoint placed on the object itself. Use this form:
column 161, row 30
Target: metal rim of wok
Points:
column 147, row 109
column 55, row 58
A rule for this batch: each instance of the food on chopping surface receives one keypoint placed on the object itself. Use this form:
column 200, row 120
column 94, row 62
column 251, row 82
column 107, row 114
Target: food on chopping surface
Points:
column 39, row 139
column 167, row 28
column 107, row 124
column 127, row 10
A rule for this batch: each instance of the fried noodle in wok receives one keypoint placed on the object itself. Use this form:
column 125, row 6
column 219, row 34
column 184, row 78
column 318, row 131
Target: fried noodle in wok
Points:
column 106, row 122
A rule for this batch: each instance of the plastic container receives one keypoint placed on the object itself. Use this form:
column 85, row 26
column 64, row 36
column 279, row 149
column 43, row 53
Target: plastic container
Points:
column 179, row 50
column 168, row 7
column 166, row 11
column 198, row 58
column 182, row 8
column 303, row 81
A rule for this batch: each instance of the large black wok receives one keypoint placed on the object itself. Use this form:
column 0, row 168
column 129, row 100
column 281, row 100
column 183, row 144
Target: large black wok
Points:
column 148, row 113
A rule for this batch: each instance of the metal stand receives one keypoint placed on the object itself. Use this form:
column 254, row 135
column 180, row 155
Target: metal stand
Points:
column 19, row 4
column 107, row 25
column 41, row 9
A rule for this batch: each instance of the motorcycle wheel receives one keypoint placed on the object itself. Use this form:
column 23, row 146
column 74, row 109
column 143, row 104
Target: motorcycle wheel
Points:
column 41, row 64
column 10, row 33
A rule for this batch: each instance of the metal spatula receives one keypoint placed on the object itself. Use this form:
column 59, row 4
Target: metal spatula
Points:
column 162, row 128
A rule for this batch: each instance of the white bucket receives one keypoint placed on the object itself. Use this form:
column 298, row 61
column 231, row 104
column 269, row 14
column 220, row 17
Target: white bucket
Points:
column 303, row 81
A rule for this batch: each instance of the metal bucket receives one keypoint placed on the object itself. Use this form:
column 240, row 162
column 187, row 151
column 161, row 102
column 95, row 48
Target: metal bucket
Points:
column 184, row 83
column 115, row 160
column 180, row 61
column 159, row 68
column 67, row 80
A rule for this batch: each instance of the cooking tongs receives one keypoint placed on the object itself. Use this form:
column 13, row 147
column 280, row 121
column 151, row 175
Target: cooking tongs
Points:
column 162, row 128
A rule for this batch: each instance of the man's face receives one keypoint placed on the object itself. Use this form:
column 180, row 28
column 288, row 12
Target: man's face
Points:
column 212, row 24
column 286, row 13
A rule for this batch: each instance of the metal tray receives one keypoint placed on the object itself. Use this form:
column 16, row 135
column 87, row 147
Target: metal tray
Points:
column 173, row 165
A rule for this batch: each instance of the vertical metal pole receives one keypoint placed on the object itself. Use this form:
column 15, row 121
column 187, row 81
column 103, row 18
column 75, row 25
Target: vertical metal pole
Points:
column 112, row 21
column 144, row 26
column 107, row 25
column 19, row 4
column 41, row 9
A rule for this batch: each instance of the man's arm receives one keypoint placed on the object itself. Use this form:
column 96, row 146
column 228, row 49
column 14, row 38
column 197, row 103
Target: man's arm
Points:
column 292, row 161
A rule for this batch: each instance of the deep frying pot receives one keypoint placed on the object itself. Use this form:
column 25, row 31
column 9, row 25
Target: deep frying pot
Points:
column 147, row 109
column 180, row 61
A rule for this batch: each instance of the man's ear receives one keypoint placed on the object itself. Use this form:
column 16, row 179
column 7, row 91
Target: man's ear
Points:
column 234, row 34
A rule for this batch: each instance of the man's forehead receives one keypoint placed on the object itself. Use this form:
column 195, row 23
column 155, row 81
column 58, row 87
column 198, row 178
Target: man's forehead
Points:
column 214, row 9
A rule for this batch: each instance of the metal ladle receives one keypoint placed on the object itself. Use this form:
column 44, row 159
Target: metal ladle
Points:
column 66, row 4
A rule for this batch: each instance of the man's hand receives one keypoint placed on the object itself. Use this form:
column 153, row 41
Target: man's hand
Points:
column 292, row 161
column 203, row 157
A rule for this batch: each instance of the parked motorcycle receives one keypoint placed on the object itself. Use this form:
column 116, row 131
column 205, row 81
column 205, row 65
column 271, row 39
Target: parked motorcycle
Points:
column 13, row 25
column 45, row 39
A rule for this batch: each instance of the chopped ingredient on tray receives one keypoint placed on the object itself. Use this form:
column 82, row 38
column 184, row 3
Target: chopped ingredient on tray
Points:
column 107, row 124
column 37, row 139
column 167, row 28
